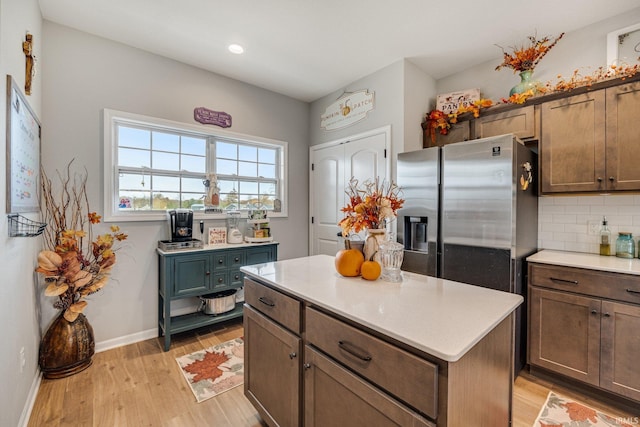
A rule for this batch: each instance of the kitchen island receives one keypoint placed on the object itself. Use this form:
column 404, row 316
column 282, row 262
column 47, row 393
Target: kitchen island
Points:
column 324, row 349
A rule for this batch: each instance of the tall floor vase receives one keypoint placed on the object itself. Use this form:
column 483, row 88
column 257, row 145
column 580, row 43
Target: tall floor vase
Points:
column 67, row 347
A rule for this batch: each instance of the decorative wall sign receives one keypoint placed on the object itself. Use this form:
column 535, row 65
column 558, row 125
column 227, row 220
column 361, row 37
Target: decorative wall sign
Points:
column 23, row 152
column 209, row 117
column 347, row 110
column 450, row 102
column 30, row 59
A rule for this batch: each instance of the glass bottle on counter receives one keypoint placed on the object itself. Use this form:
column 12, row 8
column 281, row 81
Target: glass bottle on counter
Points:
column 605, row 238
column 625, row 246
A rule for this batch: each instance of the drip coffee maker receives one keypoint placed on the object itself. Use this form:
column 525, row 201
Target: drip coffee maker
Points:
column 234, row 235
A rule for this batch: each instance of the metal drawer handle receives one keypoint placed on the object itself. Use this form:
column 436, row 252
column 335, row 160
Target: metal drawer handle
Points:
column 292, row 355
column 266, row 302
column 594, row 312
column 220, row 261
column 555, row 279
column 347, row 347
column 631, row 291
column 237, row 259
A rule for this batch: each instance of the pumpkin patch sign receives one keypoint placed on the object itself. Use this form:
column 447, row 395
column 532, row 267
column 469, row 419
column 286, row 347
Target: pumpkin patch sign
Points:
column 348, row 109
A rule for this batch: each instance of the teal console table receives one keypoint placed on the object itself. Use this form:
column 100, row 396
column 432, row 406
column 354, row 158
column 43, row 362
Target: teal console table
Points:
column 196, row 272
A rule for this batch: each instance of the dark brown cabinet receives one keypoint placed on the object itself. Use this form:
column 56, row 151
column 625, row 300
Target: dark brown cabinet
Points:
column 565, row 334
column 622, row 148
column 522, row 122
column 334, row 395
column 589, row 141
column 584, row 324
column 272, row 369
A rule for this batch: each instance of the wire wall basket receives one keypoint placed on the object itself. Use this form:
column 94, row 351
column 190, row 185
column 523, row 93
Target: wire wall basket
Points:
column 19, row 226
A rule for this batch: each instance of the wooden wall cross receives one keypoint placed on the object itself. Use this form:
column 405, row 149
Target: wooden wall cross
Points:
column 27, row 48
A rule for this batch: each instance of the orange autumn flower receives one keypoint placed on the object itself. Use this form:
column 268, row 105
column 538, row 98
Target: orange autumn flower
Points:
column 94, row 217
column 74, row 265
column 370, row 205
column 437, row 119
column 526, row 58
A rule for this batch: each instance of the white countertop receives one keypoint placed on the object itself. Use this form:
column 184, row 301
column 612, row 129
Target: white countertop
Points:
column 440, row 317
column 214, row 247
column 590, row 261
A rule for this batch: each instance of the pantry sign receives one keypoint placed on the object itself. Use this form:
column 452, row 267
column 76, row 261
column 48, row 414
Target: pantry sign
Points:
column 347, row 110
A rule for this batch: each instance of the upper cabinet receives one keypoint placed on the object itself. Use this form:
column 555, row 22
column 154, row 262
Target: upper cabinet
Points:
column 521, row 122
column 623, row 137
column 460, row 131
column 589, row 141
column 572, row 147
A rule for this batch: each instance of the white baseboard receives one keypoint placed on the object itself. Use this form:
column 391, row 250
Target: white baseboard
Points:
column 31, row 399
column 127, row 339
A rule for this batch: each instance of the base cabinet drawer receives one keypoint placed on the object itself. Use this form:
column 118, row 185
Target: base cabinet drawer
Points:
column 281, row 308
column 376, row 360
column 335, row 397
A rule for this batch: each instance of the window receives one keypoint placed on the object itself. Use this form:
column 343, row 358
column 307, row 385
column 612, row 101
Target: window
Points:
column 152, row 165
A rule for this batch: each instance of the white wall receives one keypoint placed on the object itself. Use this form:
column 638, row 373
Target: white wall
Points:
column 82, row 74
column 402, row 94
column 419, row 89
column 584, row 49
column 563, row 221
column 18, row 294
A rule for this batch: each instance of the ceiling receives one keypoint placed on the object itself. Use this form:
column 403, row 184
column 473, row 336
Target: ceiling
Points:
column 307, row 49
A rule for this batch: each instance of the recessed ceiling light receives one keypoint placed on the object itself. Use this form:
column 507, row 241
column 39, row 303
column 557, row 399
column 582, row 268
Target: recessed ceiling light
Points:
column 236, row 48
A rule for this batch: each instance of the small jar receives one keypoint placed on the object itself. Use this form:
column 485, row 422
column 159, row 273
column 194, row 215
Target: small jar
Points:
column 625, row 246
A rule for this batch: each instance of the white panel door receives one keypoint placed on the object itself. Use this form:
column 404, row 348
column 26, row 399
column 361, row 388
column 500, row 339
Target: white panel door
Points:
column 361, row 156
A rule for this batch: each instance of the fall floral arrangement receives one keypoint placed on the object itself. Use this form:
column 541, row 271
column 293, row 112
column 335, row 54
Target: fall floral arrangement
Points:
column 370, row 205
column 527, row 57
column 74, row 264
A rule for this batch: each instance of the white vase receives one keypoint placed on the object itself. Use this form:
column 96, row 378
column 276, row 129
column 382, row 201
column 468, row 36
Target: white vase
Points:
column 372, row 242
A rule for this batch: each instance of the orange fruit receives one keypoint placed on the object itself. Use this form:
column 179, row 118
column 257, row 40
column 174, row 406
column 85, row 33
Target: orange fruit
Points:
column 348, row 262
column 370, row 270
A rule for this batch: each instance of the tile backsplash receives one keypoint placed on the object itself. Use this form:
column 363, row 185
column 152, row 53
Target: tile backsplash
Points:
column 563, row 222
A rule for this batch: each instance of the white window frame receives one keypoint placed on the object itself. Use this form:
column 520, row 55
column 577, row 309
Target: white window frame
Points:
column 113, row 117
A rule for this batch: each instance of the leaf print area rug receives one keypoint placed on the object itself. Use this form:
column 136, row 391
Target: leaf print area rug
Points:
column 214, row 370
column 560, row 411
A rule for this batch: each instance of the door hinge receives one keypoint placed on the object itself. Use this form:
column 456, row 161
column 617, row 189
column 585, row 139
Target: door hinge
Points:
column 311, row 220
column 312, row 167
column 385, row 153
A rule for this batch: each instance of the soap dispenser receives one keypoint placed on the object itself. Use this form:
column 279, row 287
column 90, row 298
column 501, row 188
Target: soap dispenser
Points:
column 605, row 238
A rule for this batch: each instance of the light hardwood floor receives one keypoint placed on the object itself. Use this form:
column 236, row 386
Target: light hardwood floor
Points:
column 141, row 385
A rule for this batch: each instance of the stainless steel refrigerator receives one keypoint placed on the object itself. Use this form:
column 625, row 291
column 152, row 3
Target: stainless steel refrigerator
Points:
column 471, row 215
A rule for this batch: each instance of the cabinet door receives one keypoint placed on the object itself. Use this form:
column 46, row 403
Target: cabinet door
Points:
column 335, row 397
column 572, row 147
column 564, row 333
column 191, row 275
column 520, row 122
column 623, row 150
column 272, row 370
column 620, row 349
column 460, row 131
column 260, row 254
